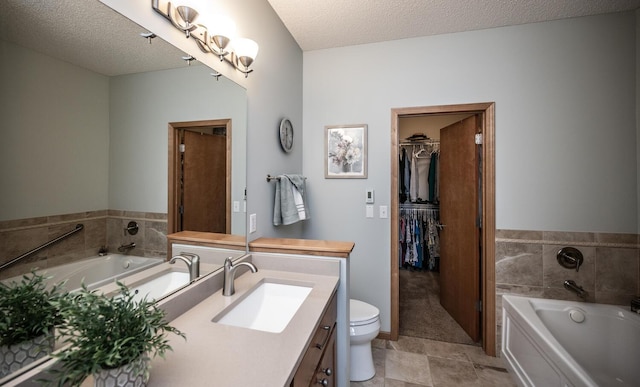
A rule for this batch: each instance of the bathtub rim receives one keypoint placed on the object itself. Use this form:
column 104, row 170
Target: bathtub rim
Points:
column 80, row 265
column 520, row 308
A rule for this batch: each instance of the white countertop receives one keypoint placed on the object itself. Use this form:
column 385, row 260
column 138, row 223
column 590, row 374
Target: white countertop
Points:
column 222, row 355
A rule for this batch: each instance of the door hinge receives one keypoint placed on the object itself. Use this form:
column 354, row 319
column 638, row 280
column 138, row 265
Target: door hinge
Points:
column 182, row 147
column 478, row 138
column 479, row 306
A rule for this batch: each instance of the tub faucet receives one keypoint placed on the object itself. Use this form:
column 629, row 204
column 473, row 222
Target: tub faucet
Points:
column 572, row 286
column 125, row 248
column 192, row 261
column 230, row 273
column 635, row 305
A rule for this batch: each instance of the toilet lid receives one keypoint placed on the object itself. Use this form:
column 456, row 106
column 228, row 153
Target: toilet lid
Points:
column 362, row 313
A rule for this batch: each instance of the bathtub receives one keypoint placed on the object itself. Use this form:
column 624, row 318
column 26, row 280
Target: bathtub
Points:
column 96, row 271
column 567, row 343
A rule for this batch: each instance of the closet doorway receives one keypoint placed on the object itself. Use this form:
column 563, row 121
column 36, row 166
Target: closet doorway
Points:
column 465, row 268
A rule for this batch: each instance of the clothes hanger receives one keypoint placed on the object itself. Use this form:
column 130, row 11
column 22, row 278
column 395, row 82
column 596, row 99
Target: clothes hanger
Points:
column 421, row 151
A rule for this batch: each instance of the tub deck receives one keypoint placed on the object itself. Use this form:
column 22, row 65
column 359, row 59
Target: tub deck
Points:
column 566, row 343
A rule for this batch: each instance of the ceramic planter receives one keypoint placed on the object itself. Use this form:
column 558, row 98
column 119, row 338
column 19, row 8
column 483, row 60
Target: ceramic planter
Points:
column 14, row 357
column 124, row 376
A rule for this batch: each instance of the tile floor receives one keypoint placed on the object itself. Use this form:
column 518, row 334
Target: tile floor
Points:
column 415, row 362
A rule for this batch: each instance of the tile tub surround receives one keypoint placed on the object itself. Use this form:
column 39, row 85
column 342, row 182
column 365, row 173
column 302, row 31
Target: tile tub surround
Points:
column 101, row 228
column 526, row 265
column 151, row 239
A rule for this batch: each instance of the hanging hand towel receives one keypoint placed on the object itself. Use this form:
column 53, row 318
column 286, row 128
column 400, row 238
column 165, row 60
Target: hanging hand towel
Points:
column 290, row 205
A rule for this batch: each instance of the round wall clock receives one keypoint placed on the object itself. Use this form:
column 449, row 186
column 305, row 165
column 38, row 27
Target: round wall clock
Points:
column 286, row 135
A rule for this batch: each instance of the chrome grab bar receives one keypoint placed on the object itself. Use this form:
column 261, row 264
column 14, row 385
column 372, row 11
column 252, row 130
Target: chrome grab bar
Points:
column 43, row 246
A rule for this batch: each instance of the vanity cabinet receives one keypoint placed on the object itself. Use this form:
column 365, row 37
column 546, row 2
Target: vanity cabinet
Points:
column 318, row 363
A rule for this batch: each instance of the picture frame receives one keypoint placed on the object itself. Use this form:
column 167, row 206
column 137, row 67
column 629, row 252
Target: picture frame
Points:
column 345, row 151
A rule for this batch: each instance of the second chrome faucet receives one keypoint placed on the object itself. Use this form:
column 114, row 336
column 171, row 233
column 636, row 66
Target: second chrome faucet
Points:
column 193, row 263
column 229, row 275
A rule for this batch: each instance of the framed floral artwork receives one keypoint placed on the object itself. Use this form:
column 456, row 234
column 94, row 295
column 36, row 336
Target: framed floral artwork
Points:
column 345, row 152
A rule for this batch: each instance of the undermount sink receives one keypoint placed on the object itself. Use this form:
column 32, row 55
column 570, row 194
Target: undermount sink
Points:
column 161, row 285
column 269, row 307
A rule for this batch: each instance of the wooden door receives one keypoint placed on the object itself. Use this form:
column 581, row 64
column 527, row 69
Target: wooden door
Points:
column 460, row 236
column 204, row 194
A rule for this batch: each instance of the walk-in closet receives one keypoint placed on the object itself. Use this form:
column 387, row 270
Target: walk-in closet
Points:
column 419, row 229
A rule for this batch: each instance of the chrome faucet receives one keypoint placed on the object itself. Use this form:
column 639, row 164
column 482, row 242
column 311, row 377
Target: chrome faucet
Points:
column 230, row 273
column 125, row 248
column 572, row 286
column 635, row 305
column 192, row 261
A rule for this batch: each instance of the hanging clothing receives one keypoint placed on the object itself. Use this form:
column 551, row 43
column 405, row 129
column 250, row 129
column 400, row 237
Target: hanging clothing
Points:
column 413, row 187
column 419, row 245
column 418, row 172
column 433, row 178
column 401, row 174
column 422, row 169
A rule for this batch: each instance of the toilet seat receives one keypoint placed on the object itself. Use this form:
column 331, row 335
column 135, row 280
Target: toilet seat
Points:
column 362, row 313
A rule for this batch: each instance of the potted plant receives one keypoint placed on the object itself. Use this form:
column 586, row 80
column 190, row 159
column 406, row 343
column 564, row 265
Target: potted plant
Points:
column 28, row 314
column 109, row 337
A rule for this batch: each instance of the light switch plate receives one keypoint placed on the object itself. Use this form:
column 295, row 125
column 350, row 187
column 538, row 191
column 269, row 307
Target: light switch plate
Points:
column 383, row 212
column 369, row 211
column 253, row 222
column 236, row 206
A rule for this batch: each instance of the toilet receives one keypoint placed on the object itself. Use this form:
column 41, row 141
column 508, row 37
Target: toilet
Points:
column 364, row 326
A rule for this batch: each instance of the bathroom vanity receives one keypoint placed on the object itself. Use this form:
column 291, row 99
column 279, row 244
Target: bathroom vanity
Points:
column 311, row 346
column 228, row 355
column 324, row 357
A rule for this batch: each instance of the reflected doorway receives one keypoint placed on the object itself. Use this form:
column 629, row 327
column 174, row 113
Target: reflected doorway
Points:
column 200, row 176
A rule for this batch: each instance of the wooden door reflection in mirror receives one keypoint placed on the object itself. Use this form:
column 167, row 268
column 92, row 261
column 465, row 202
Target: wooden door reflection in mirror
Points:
column 200, row 176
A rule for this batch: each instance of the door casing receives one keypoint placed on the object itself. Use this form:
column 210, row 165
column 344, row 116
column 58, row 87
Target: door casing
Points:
column 486, row 110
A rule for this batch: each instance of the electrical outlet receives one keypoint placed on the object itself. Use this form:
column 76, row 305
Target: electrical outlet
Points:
column 383, row 212
column 236, row 206
column 253, row 222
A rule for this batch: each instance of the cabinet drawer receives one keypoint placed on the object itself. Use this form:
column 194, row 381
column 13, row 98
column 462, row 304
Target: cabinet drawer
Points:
column 317, row 346
column 325, row 373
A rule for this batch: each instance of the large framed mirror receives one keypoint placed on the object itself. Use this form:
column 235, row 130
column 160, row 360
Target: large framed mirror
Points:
column 87, row 104
column 63, row 155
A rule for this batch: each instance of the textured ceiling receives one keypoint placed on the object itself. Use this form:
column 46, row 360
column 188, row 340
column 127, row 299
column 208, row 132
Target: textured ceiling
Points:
column 90, row 35
column 86, row 33
column 318, row 24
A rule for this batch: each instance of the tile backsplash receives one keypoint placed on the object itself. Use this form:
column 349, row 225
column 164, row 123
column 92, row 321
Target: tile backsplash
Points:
column 526, row 265
column 101, row 228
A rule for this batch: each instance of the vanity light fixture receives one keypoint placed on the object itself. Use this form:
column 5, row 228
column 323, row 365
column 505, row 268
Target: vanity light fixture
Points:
column 217, row 36
column 245, row 52
column 187, row 16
